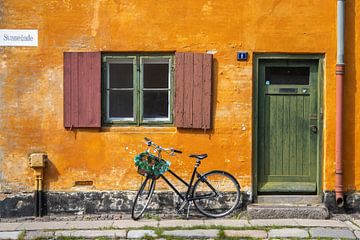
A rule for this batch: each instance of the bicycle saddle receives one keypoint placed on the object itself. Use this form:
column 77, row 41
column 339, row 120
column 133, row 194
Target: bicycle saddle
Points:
column 199, row 156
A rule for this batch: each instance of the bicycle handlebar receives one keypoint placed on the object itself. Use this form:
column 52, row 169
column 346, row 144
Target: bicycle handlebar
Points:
column 151, row 143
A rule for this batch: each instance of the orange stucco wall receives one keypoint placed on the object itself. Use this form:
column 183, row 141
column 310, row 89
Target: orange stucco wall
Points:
column 31, row 83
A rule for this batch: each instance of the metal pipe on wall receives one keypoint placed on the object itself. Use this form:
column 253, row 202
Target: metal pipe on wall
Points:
column 340, row 72
column 37, row 163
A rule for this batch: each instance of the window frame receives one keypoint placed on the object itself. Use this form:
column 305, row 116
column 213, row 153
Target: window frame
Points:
column 137, row 89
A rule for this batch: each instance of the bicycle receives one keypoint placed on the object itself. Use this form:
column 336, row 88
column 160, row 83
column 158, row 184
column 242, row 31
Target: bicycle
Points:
column 214, row 194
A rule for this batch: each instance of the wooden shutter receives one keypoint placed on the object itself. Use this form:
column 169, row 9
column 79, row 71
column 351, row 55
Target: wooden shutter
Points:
column 82, row 89
column 193, row 78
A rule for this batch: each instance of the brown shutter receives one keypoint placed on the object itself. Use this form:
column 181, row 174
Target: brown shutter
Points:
column 193, row 78
column 82, row 89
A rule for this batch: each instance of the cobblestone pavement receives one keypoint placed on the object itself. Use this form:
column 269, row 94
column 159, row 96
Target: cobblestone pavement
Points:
column 91, row 227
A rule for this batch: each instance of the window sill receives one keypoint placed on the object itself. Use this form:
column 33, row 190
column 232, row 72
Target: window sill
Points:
column 141, row 129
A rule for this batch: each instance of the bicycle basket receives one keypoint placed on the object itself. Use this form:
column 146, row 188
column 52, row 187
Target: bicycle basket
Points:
column 150, row 165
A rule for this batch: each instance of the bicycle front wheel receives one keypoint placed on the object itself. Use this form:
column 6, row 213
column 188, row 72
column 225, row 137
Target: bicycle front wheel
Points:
column 143, row 198
column 216, row 193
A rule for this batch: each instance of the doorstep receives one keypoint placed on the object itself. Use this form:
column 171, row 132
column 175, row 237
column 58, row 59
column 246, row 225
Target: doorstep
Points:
column 267, row 211
column 288, row 206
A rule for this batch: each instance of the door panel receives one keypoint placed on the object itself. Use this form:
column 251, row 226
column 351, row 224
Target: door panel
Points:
column 287, row 136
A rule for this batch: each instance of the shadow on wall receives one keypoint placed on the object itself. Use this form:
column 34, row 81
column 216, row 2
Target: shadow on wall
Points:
column 51, row 174
column 349, row 98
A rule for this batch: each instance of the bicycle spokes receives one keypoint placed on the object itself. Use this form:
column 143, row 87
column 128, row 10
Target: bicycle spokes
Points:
column 217, row 195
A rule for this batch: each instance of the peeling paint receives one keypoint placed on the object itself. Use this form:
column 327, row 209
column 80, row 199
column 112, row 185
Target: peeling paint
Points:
column 1, row 11
column 95, row 20
column 207, row 8
column 1, row 161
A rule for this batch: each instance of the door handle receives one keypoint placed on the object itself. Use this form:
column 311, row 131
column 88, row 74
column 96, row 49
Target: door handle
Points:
column 314, row 129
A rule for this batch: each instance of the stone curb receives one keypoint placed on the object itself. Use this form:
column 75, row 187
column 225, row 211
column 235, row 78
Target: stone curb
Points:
column 320, row 223
column 227, row 223
column 182, row 223
column 288, row 233
column 9, row 226
column 92, row 233
column 246, row 233
column 134, row 224
column 141, row 233
column 357, row 234
column 123, row 224
column 196, row 233
column 357, row 222
column 282, row 233
column 322, row 232
column 273, row 222
column 298, row 228
column 10, row 235
column 39, row 234
column 352, row 226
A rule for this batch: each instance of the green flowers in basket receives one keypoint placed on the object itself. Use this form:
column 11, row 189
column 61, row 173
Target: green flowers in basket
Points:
column 150, row 165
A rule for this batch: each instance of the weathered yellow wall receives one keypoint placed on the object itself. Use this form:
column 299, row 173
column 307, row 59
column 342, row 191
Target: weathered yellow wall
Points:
column 31, row 83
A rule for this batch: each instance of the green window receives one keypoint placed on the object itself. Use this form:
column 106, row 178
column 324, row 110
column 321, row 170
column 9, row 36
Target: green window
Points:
column 137, row 89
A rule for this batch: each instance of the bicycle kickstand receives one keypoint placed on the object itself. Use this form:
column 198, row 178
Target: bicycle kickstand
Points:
column 188, row 210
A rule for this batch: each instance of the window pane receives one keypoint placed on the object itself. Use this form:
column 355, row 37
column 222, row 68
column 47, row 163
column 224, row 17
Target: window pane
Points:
column 156, row 104
column 121, row 75
column 287, row 75
column 121, row 104
column 156, row 75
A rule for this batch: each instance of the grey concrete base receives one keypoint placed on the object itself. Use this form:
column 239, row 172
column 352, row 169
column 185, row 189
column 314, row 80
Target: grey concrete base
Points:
column 351, row 205
column 290, row 199
column 266, row 211
column 106, row 202
column 80, row 203
column 17, row 205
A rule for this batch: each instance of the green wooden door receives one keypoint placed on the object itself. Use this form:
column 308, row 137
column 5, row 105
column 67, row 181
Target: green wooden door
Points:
column 288, row 126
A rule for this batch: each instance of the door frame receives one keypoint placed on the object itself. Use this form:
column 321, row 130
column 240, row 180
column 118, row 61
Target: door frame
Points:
column 282, row 56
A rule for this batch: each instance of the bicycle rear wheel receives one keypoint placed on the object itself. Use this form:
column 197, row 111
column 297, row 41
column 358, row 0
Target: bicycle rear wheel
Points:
column 143, row 198
column 218, row 193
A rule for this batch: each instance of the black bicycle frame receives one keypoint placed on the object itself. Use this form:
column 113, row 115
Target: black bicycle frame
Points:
column 189, row 185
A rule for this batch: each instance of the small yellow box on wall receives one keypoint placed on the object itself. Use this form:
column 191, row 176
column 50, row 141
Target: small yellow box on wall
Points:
column 37, row 160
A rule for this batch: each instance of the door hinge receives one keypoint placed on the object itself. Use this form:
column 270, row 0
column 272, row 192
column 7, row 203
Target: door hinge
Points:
column 321, row 114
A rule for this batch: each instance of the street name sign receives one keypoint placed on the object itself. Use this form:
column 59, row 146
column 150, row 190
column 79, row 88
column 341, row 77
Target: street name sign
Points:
column 19, row 37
